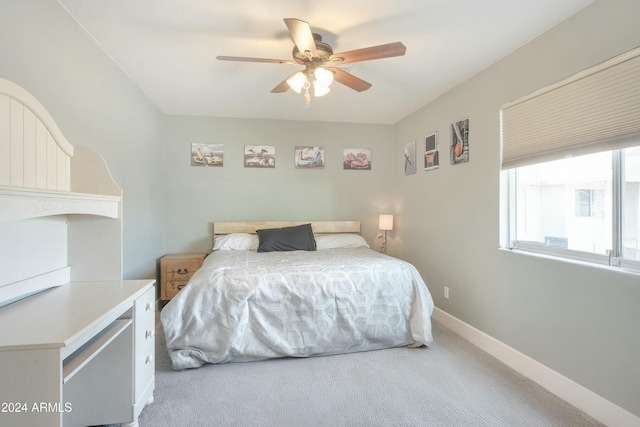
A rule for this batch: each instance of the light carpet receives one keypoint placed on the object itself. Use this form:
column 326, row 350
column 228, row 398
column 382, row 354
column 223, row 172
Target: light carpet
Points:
column 451, row 383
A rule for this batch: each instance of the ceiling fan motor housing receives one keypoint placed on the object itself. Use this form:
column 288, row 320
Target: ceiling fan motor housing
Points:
column 324, row 51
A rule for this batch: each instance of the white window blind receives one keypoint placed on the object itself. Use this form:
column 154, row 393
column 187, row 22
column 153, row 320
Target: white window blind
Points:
column 595, row 110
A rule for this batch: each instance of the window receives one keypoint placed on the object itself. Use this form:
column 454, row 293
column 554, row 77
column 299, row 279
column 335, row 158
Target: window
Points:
column 571, row 156
column 590, row 202
column 561, row 204
column 569, row 207
column 631, row 202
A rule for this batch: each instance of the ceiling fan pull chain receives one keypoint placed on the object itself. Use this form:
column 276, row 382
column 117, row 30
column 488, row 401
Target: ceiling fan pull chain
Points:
column 307, row 97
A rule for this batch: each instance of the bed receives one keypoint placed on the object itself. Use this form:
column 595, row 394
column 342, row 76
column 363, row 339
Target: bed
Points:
column 281, row 289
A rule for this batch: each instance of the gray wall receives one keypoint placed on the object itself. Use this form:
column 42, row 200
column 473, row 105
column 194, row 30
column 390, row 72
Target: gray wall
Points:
column 578, row 320
column 95, row 105
column 197, row 196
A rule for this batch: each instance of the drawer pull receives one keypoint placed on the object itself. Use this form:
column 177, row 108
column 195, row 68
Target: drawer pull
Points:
column 148, row 359
column 148, row 307
column 180, row 271
column 181, row 286
column 148, row 334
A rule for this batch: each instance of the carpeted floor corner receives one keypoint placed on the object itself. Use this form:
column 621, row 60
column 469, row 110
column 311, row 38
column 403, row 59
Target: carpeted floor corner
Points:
column 451, row 383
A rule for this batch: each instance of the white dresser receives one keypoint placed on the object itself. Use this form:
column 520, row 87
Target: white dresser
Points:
column 79, row 354
column 76, row 341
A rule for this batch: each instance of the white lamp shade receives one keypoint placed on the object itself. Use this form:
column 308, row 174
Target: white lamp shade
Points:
column 323, row 76
column 385, row 222
column 320, row 90
column 297, row 81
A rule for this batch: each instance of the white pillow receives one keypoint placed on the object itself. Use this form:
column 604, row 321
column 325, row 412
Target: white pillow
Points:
column 335, row 241
column 236, row 242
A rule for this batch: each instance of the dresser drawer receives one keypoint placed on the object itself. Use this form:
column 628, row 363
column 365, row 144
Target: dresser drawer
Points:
column 145, row 366
column 145, row 321
column 144, row 310
column 144, row 341
column 145, row 332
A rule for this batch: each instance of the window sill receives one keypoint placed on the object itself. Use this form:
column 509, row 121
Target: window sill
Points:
column 625, row 269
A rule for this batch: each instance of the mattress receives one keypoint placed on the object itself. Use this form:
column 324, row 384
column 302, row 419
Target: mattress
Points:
column 245, row 306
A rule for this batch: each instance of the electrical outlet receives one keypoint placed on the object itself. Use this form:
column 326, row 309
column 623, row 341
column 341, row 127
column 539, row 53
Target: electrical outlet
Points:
column 446, row 292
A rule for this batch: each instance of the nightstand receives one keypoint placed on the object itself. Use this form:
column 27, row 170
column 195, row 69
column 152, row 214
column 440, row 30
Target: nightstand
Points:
column 175, row 272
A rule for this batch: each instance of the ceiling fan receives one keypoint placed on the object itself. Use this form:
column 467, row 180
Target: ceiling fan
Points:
column 320, row 62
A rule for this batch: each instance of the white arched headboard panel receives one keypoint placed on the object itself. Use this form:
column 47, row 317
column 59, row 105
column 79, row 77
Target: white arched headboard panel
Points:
column 60, row 208
column 33, row 152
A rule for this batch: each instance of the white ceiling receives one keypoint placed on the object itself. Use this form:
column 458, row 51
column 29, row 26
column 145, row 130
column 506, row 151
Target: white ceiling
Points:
column 169, row 48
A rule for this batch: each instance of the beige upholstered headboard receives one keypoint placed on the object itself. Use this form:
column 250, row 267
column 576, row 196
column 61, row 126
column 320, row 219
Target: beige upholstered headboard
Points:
column 319, row 227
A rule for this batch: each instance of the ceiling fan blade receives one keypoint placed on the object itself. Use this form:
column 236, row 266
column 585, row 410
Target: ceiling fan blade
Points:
column 350, row 80
column 245, row 59
column 301, row 34
column 283, row 86
column 365, row 54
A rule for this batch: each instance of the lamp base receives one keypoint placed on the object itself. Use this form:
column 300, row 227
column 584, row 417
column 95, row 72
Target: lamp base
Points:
column 383, row 248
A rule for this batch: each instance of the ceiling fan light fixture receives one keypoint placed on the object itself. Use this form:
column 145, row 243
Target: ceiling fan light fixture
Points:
column 310, row 51
column 323, row 76
column 320, row 90
column 297, row 81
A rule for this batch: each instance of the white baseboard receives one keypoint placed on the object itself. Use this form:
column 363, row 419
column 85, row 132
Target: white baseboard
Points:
column 582, row 398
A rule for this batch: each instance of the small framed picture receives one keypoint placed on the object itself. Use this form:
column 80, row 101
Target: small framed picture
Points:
column 460, row 142
column 207, row 154
column 431, row 154
column 410, row 158
column 259, row 156
column 309, row 157
column 356, row 158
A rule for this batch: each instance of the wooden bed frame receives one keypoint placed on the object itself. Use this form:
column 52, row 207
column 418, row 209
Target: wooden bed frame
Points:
column 319, row 227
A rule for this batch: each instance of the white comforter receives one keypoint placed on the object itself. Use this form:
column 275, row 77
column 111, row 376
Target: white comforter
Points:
column 245, row 305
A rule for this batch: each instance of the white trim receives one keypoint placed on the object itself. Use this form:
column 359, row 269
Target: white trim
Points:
column 579, row 396
column 24, row 203
column 23, row 288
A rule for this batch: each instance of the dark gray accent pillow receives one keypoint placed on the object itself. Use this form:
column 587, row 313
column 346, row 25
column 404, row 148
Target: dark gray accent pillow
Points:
column 298, row 238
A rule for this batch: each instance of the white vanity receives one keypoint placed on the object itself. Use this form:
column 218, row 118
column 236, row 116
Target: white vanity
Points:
column 76, row 341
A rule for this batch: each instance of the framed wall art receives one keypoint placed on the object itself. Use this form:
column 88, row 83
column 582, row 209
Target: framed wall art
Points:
column 259, row 156
column 207, row 154
column 309, row 157
column 356, row 158
column 410, row 158
column 460, row 142
column 431, row 154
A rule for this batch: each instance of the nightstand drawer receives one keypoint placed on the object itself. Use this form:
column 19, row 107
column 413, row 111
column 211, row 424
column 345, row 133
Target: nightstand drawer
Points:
column 174, row 286
column 180, row 269
column 175, row 272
